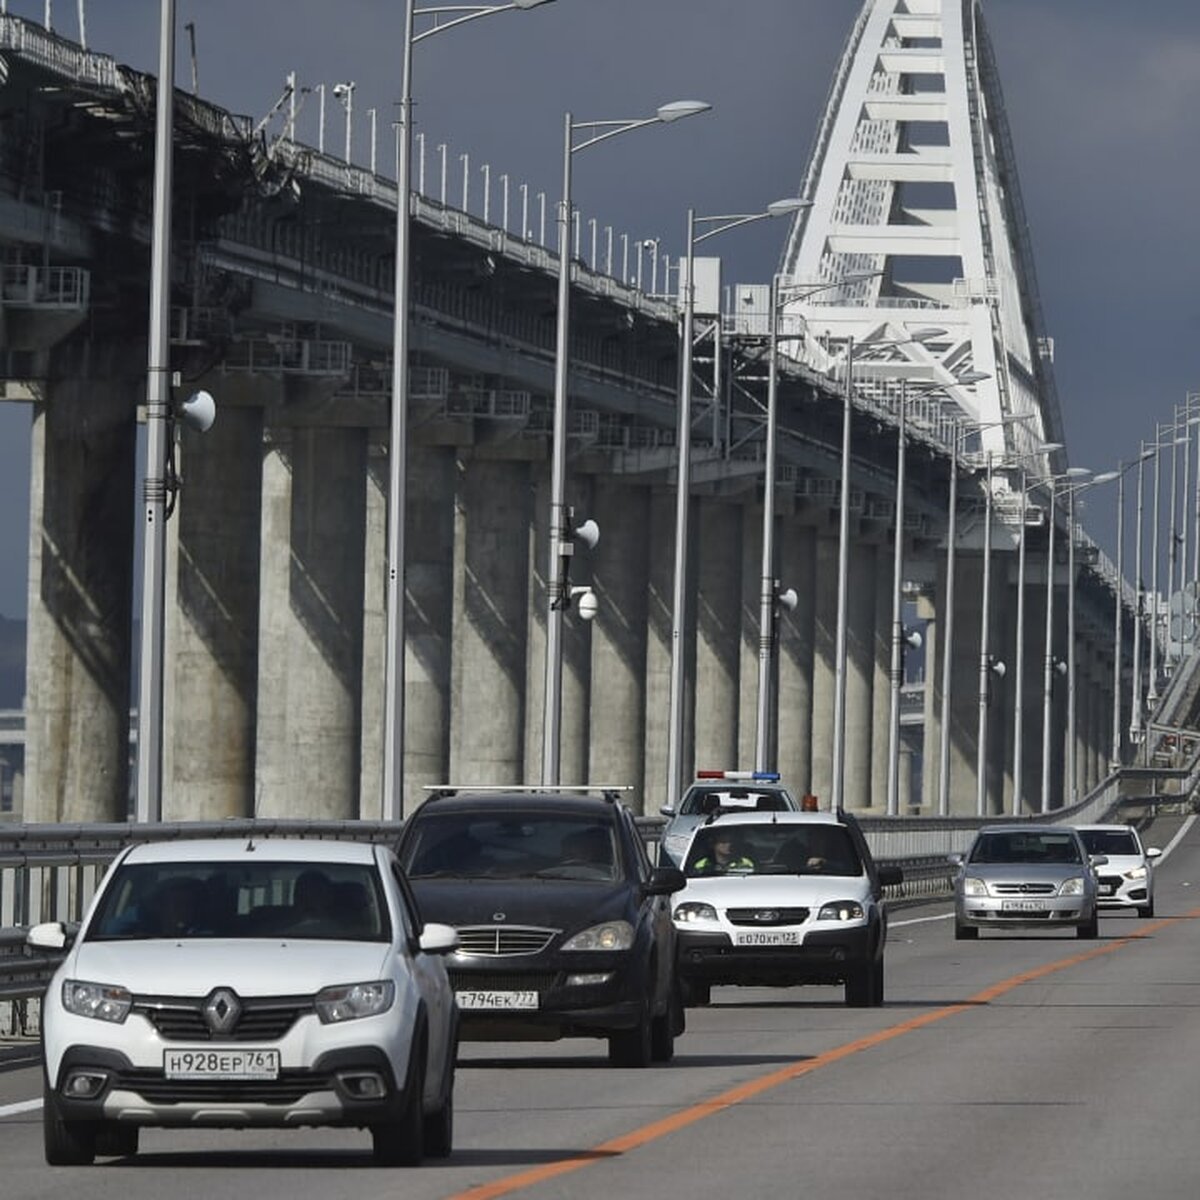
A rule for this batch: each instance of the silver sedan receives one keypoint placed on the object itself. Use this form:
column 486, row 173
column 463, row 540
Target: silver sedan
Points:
column 1026, row 876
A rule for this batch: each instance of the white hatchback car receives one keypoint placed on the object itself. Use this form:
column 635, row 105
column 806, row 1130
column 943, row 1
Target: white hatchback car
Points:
column 234, row 983
column 1127, row 879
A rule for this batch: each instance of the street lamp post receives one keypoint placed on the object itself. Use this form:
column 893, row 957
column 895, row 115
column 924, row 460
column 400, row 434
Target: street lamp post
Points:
column 985, row 658
column 560, row 533
column 394, row 636
column 1118, row 607
column 1135, row 691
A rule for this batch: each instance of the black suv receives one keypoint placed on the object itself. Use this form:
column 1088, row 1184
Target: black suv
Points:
column 564, row 925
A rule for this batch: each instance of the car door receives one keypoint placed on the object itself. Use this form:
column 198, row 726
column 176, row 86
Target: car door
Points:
column 657, row 909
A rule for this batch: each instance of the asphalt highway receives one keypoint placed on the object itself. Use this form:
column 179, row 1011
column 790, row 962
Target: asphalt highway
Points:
column 1018, row 1065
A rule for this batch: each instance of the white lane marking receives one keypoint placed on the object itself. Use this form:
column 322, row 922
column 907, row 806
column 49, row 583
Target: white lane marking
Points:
column 1187, row 824
column 11, row 1110
column 920, row 920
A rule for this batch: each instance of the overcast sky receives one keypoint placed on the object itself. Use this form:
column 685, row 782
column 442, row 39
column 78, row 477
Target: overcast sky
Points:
column 1102, row 99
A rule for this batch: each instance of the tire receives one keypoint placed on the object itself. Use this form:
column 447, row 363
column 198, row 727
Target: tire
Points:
column 1089, row 929
column 633, row 1047
column 116, row 1141
column 965, row 933
column 65, row 1143
column 858, row 986
column 439, row 1124
column 664, row 1027
column 695, row 993
column 876, row 1000
column 401, row 1143
column 1146, row 910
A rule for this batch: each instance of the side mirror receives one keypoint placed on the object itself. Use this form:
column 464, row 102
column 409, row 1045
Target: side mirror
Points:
column 1097, row 860
column 50, row 935
column 665, row 881
column 890, row 876
column 1153, row 852
column 667, row 810
column 438, row 939
column 955, row 859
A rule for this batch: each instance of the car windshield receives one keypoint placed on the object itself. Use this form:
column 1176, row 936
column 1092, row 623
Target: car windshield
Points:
column 772, row 849
column 511, row 845
column 705, row 802
column 341, row 901
column 1109, row 841
column 1026, row 847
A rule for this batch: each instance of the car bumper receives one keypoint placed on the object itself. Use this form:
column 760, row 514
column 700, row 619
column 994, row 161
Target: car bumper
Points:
column 824, row 957
column 992, row 912
column 323, row 1094
column 1128, row 894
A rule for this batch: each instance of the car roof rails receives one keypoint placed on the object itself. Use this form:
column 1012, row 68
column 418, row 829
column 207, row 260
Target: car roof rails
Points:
column 606, row 791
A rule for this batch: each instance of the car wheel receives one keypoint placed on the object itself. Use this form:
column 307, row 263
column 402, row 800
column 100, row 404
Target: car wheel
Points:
column 116, row 1141
column 1146, row 910
column 66, row 1143
column 1089, row 929
column 877, row 984
column 439, row 1124
column 965, row 933
column 696, row 994
column 858, row 986
column 663, row 1028
column 633, row 1047
column 401, row 1143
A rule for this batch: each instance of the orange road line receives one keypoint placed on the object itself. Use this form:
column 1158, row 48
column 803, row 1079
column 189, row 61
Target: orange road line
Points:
column 754, row 1087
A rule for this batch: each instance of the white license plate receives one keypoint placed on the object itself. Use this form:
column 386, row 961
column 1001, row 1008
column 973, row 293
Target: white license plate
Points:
column 767, row 937
column 241, row 1063
column 1023, row 906
column 493, row 1000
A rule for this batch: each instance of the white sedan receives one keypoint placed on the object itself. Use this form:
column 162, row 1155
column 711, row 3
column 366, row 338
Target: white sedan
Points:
column 239, row 983
column 1127, row 879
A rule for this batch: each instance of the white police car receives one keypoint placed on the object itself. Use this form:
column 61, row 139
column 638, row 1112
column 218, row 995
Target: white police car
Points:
column 776, row 899
column 241, row 983
column 720, row 791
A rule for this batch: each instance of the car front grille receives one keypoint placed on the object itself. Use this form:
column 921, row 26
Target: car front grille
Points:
column 765, row 918
column 503, row 981
column 155, row 1088
column 1024, row 889
column 1112, row 881
column 181, row 1019
column 499, row 940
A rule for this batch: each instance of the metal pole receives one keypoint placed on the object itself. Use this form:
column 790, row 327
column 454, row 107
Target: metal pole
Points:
column 947, row 639
column 1115, row 756
column 1048, row 670
column 985, row 661
column 394, row 637
column 839, row 689
column 766, row 608
column 682, row 500
column 158, row 401
column 559, row 534
column 1135, row 690
column 896, row 668
column 1072, row 781
column 1152, row 690
column 1019, row 680
column 1173, row 547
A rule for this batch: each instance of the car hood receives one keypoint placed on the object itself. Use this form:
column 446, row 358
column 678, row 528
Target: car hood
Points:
column 1119, row 863
column 1025, row 872
column 551, row 904
column 736, row 891
column 252, row 967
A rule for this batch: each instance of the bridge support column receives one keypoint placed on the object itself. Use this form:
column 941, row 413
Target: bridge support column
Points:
column 750, row 601
column 719, row 573
column 77, row 694
column 881, row 678
column 860, row 668
column 618, row 710
column 824, row 665
column 212, row 596
column 794, row 653
column 964, row 686
column 493, row 520
column 310, row 644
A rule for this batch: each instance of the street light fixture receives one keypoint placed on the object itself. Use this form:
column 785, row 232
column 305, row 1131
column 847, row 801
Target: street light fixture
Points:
column 394, row 637
column 720, row 224
column 560, row 533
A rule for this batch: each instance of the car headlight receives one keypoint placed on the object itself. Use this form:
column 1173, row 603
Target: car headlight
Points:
column 99, row 1000
column 974, row 887
column 349, row 1001
column 693, row 910
column 1136, row 873
column 841, row 910
column 611, row 935
column 1071, row 887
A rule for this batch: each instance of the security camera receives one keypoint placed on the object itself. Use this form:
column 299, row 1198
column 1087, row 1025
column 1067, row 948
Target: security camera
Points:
column 342, row 89
column 199, row 411
column 588, row 604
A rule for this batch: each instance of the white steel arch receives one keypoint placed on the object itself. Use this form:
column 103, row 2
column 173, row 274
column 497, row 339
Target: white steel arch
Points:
column 914, row 189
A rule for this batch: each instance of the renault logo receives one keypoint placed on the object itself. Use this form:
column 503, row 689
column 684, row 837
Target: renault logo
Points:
column 221, row 1010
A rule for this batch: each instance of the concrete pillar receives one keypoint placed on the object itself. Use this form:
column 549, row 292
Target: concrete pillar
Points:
column 905, row 791
column 881, row 684
column 491, row 621
column 794, row 720
column 311, row 613
column 78, row 684
column 824, row 654
column 374, row 638
column 964, row 684
column 429, row 611
column 618, row 709
column 860, row 669
column 750, row 576
column 212, row 614
column 658, row 650
column 718, row 633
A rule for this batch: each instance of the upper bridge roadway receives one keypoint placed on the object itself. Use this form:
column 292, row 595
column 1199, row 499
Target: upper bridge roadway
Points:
column 1016, row 1065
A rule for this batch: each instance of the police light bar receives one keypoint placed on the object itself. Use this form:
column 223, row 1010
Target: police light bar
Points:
column 742, row 776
